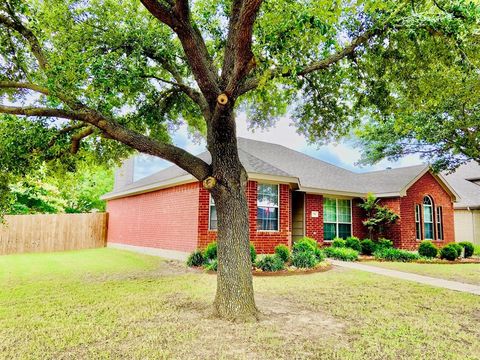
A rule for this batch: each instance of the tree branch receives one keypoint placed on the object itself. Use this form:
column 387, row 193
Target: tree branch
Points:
column 240, row 43
column 21, row 85
column 29, row 36
column 78, row 137
column 178, row 19
column 190, row 163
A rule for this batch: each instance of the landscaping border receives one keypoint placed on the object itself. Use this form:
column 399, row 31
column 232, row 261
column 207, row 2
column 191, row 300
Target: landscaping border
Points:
column 287, row 272
column 437, row 261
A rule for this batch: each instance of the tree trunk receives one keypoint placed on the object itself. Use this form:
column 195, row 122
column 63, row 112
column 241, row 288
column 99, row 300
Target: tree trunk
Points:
column 234, row 299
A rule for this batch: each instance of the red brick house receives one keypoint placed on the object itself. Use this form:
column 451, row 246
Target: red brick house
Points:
column 290, row 195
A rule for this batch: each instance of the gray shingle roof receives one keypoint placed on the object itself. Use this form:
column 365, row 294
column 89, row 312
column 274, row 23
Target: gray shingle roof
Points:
column 462, row 180
column 312, row 174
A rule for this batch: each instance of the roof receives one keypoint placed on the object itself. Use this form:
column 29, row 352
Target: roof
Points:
column 263, row 160
column 465, row 182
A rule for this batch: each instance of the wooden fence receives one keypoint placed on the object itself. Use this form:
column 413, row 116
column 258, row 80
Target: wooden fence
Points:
column 59, row 232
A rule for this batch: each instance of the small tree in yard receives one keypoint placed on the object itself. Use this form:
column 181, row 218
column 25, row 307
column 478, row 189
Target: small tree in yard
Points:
column 378, row 217
column 108, row 77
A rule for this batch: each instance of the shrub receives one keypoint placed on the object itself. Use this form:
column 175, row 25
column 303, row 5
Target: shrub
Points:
column 345, row 254
column 338, row 243
column 468, row 246
column 210, row 252
column 391, row 254
column 305, row 244
column 368, row 247
column 271, row 263
column 384, row 244
column 211, row 265
column 449, row 252
column 195, row 259
column 304, row 259
column 458, row 247
column 476, row 250
column 283, row 252
column 427, row 249
column 319, row 254
column 353, row 242
column 253, row 253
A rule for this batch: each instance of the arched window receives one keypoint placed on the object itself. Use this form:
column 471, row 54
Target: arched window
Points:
column 428, row 217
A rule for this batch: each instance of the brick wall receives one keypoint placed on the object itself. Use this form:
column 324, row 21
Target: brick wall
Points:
column 426, row 185
column 166, row 219
column 314, row 226
column 394, row 231
column 264, row 241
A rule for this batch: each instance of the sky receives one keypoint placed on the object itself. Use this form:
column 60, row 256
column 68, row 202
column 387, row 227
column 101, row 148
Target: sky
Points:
column 343, row 154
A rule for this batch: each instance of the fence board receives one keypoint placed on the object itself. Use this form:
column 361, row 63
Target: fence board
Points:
column 58, row 232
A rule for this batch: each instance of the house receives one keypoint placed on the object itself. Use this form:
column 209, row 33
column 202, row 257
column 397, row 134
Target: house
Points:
column 290, row 195
column 466, row 182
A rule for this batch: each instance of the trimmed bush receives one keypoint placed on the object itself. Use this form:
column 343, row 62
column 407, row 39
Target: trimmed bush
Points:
column 283, row 252
column 353, row 242
column 391, row 254
column 253, row 253
column 271, row 263
column 458, row 247
column 449, row 252
column 427, row 249
column 195, row 259
column 211, row 265
column 304, row 259
column 345, row 254
column 476, row 250
column 319, row 254
column 338, row 243
column 384, row 244
column 210, row 252
column 368, row 247
column 305, row 244
column 468, row 246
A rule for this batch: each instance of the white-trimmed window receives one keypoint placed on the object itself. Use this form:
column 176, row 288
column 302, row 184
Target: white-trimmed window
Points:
column 439, row 217
column 418, row 222
column 337, row 218
column 212, row 215
column 428, row 218
column 267, row 207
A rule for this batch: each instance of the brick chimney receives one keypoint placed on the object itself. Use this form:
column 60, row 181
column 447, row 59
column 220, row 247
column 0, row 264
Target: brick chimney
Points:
column 124, row 174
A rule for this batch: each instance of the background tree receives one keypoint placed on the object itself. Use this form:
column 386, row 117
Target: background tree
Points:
column 81, row 73
column 433, row 109
column 378, row 217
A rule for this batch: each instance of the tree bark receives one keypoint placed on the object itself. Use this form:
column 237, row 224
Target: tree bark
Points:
column 234, row 299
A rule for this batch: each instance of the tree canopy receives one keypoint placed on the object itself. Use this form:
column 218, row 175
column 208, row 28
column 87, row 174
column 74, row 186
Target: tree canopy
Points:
column 77, row 74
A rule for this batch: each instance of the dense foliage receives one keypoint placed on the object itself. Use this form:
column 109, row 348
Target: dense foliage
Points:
column 468, row 248
column 391, row 254
column 353, row 242
column 283, row 252
column 427, row 249
column 449, row 252
column 378, row 217
column 341, row 253
column 271, row 263
column 368, row 247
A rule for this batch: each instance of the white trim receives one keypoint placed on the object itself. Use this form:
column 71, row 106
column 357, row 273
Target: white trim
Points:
column 273, row 179
column 278, row 207
column 181, row 180
column 210, row 212
column 424, row 218
column 164, row 253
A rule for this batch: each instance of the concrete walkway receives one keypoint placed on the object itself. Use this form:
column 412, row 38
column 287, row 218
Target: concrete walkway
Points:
column 427, row 280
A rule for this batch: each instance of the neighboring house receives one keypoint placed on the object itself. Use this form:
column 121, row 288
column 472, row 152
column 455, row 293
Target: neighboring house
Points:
column 290, row 195
column 466, row 182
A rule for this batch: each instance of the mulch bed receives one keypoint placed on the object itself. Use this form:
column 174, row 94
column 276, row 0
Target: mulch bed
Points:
column 472, row 260
column 286, row 272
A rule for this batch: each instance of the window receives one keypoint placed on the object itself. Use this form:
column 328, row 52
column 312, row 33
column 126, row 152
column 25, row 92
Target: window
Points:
column 337, row 218
column 267, row 207
column 212, row 220
column 418, row 223
column 439, row 223
column 428, row 217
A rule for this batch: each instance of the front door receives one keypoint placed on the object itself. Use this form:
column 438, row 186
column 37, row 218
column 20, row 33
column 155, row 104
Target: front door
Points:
column 298, row 215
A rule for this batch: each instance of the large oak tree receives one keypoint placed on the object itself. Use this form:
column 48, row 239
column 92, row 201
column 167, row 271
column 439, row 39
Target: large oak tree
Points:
column 103, row 76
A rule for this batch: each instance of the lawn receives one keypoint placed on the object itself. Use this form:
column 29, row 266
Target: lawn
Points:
column 467, row 273
column 111, row 304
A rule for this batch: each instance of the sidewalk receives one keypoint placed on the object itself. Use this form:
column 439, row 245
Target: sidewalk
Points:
column 427, row 280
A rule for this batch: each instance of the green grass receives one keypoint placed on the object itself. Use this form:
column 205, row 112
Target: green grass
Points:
column 102, row 304
column 467, row 273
